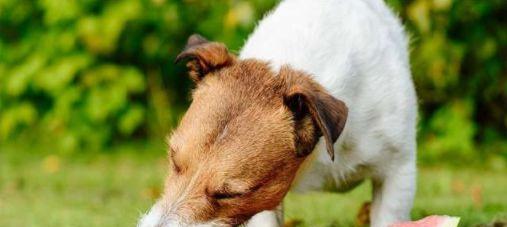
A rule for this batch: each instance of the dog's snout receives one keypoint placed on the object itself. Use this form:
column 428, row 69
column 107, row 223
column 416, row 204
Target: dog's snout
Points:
column 157, row 217
column 163, row 215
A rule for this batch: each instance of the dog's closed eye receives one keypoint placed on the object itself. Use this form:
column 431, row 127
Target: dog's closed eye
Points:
column 228, row 191
column 226, row 195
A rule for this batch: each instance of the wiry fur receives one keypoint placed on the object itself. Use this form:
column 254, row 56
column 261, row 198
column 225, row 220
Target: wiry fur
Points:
column 240, row 132
column 240, row 137
column 357, row 50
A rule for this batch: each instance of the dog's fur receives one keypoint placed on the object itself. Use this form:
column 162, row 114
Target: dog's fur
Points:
column 320, row 95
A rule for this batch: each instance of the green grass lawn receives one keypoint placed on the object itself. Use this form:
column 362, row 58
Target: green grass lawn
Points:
column 113, row 189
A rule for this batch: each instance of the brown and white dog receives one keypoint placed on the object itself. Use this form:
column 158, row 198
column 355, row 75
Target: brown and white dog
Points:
column 321, row 93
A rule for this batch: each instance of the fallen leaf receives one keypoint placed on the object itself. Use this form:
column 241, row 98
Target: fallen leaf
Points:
column 51, row 164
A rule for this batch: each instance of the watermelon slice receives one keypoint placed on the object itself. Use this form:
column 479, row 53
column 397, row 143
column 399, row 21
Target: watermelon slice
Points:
column 431, row 221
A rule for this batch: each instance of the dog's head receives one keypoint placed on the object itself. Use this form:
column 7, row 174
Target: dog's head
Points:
column 243, row 138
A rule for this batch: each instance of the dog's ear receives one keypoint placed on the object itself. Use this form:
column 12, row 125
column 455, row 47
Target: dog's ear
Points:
column 204, row 56
column 307, row 98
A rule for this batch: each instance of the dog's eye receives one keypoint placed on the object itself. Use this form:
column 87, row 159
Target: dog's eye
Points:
column 232, row 189
column 226, row 195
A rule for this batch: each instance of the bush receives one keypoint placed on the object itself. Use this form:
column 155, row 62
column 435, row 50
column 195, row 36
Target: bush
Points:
column 458, row 63
column 90, row 73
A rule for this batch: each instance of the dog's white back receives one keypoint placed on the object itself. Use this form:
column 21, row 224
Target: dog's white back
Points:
column 358, row 51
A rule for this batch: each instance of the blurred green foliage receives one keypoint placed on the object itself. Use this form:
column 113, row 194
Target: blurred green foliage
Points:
column 459, row 56
column 90, row 73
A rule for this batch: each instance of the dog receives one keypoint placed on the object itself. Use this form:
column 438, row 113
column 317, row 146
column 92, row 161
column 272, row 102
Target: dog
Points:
column 321, row 94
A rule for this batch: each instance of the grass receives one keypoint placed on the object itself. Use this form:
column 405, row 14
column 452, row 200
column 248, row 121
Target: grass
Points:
column 113, row 189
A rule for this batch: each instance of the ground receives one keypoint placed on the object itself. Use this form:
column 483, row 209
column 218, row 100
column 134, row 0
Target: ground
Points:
column 113, row 188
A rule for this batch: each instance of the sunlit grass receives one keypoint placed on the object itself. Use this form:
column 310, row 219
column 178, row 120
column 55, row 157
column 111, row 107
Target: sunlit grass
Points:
column 113, row 189
column 477, row 196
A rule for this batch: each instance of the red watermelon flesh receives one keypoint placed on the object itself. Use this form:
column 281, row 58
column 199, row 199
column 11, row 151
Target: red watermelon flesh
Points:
column 431, row 221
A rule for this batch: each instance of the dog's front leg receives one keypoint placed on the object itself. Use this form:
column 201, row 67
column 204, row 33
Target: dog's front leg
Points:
column 393, row 195
column 271, row 218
